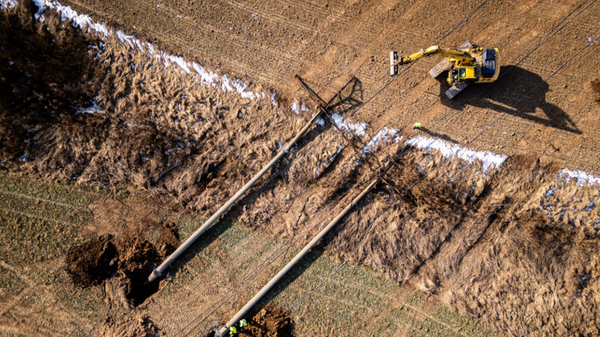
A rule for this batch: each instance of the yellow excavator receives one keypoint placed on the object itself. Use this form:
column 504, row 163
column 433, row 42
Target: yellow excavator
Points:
column 465, row 65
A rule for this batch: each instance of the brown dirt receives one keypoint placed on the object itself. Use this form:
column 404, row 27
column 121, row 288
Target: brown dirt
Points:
column 596, row 89
column 168, row 239
column 270, row 321
column 127, row 326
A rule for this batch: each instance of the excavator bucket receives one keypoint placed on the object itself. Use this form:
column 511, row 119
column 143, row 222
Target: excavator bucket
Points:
column 393, row 63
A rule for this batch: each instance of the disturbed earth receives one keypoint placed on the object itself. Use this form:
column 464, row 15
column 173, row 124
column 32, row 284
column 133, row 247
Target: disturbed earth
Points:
column 513, row 243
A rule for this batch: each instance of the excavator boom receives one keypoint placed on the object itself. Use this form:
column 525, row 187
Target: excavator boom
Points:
column 464, row 54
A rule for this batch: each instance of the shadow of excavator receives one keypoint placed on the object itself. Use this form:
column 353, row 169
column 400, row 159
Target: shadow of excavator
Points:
column 514, row 94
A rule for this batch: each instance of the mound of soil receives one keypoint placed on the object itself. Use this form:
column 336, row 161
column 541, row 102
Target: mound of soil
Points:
column 596, row 89
column 125, row 326
column 271, row 321
column 92, row 262
column 168, row 240
column 136, row 254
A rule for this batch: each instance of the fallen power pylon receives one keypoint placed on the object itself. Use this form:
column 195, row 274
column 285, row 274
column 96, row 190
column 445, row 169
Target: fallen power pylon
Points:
column 158, row 272
column 265, row 289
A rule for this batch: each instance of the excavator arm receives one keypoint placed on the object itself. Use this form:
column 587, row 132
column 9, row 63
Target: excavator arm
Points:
column 464, row 54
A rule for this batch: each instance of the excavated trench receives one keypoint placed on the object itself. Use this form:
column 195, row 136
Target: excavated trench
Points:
column 514, row 245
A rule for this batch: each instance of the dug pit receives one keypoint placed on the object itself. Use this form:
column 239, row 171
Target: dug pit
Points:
column 123, row 265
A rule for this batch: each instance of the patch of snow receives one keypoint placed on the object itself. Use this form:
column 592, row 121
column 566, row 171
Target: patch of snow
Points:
column 358, row 128
column 549, row 192
column 580, row 177
column 178, row 60
column 242, row 89
column 320, row 121
column 273, row 101
column 209, row 78
column 92, row 109
column 294, row 107
column 23, row 157
column 386, row 134
column 337, row 152
column 6, row 4
column 489, row 160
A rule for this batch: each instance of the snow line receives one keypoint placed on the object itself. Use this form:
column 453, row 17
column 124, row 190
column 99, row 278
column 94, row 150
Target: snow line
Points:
column 580, row 177
column 85, row 22
column 489, row 160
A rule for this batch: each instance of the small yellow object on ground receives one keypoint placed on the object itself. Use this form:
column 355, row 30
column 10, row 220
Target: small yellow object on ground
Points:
column 417, row 125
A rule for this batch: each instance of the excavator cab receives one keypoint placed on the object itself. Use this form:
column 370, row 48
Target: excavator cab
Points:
column 457, row 75
column 463, row 74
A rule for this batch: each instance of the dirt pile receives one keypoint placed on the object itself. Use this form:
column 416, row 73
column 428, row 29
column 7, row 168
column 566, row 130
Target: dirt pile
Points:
column 596, row 89
column 270, row 321
column 168, row 240
column 126, row 326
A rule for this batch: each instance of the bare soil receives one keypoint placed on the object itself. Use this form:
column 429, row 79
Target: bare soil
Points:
column 270, row 321
column 125, row 270
column 168, row 240
column 125, row 326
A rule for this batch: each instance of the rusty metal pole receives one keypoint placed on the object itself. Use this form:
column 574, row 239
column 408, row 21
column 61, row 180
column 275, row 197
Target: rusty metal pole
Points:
column 295, row 260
